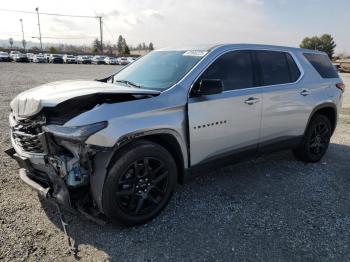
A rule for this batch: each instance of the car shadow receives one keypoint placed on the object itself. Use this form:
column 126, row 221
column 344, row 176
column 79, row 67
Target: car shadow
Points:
column 267, row 208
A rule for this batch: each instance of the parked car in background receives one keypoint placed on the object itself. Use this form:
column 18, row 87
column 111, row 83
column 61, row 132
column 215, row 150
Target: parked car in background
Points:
column 98, row 60
column 12, row 54
column 109, row 60
column 131, row 59
column 20, row 58
column 84, row 59
column 39, row 58
column 47, row 57
column 56, row 59
column 4, row 57
column 123, row 61
column 30, row 57
column 69, row 59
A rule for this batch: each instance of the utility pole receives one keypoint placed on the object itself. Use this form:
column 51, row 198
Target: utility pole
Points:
column 41, row 44
column 23, row 41
column 101, row 33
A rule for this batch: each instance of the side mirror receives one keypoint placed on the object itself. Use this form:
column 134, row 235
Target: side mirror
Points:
column 209, row 87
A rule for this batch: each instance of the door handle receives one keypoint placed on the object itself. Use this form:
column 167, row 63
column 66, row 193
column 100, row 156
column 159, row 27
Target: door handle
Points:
column 305, row 92
column 251, row 100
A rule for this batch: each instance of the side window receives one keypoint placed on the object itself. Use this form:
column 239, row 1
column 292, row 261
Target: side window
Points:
column 322, row 64
column 235, row 69
column 277, row 67
column 293, row 68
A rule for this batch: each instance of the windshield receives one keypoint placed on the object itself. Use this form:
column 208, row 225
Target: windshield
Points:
column 160, row 69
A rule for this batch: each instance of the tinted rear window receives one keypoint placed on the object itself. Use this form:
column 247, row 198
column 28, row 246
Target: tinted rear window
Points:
column 277, row 67
column 322, row 64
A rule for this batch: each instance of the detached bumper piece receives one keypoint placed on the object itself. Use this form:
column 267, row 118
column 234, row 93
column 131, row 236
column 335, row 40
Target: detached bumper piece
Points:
column 44, row 192
column 53, row 188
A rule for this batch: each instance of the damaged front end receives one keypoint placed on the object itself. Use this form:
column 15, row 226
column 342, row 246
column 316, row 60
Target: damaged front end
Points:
column 54, row 159
column 53, row 153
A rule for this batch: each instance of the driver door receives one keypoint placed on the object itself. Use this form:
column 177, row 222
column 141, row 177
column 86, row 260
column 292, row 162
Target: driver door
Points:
column 229, row 122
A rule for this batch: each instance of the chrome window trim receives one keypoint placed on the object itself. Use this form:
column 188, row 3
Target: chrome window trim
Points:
column 295, row 59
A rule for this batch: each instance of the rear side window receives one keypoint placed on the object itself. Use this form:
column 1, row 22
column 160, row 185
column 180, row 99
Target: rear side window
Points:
column 322, row 64
column 235, row 69
column 277, row 67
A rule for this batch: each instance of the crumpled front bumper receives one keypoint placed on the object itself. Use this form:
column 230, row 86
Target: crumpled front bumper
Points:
column 53, row 188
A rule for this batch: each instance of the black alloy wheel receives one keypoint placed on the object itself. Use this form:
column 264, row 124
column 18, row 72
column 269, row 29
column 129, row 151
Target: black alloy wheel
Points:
column 316, row 140
column 139, row 184
column 143, row 186
column 319, row 139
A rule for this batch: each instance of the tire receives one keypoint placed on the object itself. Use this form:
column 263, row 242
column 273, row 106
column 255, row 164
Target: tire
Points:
column 315, row 141
column 132, row 195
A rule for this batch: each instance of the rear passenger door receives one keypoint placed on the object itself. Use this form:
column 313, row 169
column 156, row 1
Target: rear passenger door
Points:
column 228, row 122
column 283, row 110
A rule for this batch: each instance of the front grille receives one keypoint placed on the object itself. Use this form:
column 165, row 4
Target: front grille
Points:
column 27, row 142
column 27, row 135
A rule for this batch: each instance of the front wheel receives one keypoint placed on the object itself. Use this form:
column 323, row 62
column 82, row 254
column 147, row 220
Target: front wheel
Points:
column 315, row 141
column 139, row 184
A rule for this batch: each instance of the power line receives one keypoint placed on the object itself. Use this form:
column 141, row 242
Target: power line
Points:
column 62, row 15
column 50, row 36
column 52, row 14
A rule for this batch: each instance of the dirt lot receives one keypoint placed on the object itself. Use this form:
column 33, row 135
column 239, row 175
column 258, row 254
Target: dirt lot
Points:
column 270, row 209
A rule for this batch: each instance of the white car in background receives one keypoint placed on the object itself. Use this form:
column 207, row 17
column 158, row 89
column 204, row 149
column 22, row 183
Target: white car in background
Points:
column 38, row 58
column 4, row 57
column 109, row 60
column 84, row 59
column 131, row 59
column 47, row 57
column 123, row 61
column 98, row 60
column 20, row 58
column 30, row 56
column 12, row 54
column 69, row 59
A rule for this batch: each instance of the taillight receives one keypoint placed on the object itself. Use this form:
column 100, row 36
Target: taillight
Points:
column 341, row 86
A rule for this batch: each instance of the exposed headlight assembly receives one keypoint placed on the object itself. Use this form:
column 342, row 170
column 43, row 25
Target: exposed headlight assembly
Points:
column 76, row 133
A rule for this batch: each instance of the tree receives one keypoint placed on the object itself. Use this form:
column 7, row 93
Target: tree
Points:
column 11, row 42
column 144, row 46
column 120, row 44
column 126, row 50
column 96, row 44
column 52, row 49
column 325, row 43
column 150, row 47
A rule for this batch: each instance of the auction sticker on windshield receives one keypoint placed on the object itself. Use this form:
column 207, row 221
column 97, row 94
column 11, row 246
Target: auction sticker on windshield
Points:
column 195, row 53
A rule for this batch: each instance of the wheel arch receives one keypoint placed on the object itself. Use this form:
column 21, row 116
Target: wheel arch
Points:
column 327, row 109
column 168, row 138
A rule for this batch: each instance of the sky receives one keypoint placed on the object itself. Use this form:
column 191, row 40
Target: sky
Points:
column 181, row 22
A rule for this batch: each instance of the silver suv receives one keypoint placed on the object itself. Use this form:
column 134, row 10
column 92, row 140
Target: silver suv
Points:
column 117, row 147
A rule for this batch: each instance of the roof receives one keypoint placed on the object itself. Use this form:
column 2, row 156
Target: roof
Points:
column 209, row 47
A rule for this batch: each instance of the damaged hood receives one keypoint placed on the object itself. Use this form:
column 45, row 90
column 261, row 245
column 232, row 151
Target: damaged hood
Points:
column 34, row 100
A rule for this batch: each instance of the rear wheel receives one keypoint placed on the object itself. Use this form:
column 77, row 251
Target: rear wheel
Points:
column 139, row 184
column 316, row 140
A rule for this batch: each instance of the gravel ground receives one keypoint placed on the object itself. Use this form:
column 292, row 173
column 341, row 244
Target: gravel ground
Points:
column 272, row 208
